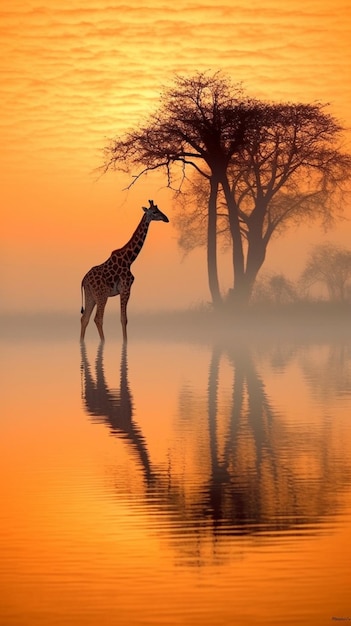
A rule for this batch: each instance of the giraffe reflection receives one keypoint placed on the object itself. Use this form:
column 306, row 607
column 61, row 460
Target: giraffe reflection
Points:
column 114, row 408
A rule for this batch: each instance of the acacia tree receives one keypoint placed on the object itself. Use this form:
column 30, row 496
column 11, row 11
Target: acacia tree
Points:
column 201, row 123
column 276, row 289
column 329, row 265
column 262, row 165
column 290, row 169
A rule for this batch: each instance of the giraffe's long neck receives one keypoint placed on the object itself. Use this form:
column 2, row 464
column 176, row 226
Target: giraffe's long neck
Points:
column 136, row 242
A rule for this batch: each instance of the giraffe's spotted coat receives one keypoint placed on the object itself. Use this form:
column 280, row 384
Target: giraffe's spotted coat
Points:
column 113, row 277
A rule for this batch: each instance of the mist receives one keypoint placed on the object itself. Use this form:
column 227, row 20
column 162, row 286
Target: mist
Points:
column 300, row 321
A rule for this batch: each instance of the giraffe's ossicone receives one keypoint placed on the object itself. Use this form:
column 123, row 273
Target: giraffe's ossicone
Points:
column 113, row 277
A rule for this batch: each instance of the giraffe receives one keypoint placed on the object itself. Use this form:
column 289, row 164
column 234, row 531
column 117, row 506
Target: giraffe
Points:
column 113, row 277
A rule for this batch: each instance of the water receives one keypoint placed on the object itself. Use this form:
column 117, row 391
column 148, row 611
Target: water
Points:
column 175, row 483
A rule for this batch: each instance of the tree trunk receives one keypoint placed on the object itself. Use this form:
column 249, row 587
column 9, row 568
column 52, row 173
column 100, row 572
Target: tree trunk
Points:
column 212, row 268
column 256, row 255
column 238, row 294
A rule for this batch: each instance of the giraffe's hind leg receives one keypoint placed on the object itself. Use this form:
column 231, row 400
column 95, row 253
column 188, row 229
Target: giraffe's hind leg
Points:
column 89, row 307
column 99, row 316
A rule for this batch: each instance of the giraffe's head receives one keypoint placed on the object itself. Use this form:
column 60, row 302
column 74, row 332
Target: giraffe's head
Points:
column 153, row 213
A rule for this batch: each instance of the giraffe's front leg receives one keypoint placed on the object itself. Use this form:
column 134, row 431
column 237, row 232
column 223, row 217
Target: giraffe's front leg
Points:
column 124, row 289
column 89, row 306
column 124, row 320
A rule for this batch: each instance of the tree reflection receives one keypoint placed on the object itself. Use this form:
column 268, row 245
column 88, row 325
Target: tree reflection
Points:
column 252, row 479
column 265, row 474
column 327, row 370
column 234, row 493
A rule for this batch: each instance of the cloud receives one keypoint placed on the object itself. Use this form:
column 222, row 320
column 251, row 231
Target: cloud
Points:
column 75, row 72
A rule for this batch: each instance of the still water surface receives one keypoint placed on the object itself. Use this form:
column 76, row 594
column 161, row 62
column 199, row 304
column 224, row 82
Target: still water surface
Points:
column 175, row 483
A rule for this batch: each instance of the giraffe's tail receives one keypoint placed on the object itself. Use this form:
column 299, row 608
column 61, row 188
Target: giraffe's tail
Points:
column 81, row 289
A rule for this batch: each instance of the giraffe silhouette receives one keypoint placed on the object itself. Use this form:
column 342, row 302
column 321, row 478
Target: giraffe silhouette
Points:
column 113, row 408
column 113, row 277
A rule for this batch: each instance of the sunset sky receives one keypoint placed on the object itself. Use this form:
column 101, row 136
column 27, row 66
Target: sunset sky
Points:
column 75, row 73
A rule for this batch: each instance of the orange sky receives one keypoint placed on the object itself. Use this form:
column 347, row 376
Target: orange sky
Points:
column 76, row 72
